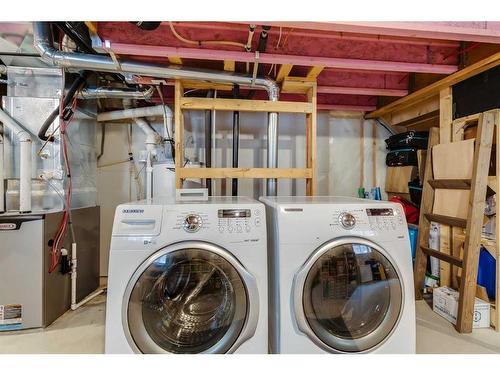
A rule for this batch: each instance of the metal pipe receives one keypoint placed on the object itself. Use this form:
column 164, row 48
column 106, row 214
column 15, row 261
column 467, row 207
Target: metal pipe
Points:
column 115, row 93
column 251, row 31
column 236, row 140
column 208, row 143
column 25, row 140
column 43, row 42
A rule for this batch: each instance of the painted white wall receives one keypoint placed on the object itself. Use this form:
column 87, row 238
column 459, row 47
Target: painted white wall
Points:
column 338, row 158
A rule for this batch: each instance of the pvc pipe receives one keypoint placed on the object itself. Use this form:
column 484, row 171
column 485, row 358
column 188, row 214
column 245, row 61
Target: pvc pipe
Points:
column 149, row 178
column 2, row 190
column 74, row 274
column 25, row 141
column 154, row 111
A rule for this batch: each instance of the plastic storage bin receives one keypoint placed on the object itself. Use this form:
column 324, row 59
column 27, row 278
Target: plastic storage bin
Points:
column 413, row 234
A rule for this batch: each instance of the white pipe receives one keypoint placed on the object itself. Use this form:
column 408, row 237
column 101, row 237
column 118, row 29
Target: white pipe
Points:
column 25, row 160
column 74, row 266
column 2, row 192
column 154, row 111
column 149, row 177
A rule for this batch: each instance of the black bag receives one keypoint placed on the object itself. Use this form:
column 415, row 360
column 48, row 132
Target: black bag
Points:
column 401, row 157
column 415, row 189
column 413, row 139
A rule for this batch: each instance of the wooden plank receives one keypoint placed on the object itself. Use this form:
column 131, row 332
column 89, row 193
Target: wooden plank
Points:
column 374, row 153
column 311, row 147
column 443, row 256
column 175, row 60
column 447, row 220
column 283, row 72
column 314, row 72
column 179, row 133
column 450, row 184
column 362, row 152
column 482, row 155
column 435, row 88
column 424, row 224
column 422, row 108
column 201, row 85
column 291, row 173
column 245, row 105
column 297, row 85
column 418, row 119
column 445, row 115
column 229, row 65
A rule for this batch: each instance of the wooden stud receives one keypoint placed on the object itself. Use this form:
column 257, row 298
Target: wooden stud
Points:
column 179, row 134
column 314, row 72
column 175, row 60
column 220, row 173
column 311, row 148
column 283, row 72
column 424, row 227
column 245, row 105
column 482, row 155
column 229, row 65
column 445, row 115
column 374, row 154
column 362, row 152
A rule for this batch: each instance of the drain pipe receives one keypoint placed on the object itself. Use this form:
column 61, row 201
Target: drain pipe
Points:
column 43, row 42
column 236, row 140
column 208, row 143
column 152, row 140
column 25, row 141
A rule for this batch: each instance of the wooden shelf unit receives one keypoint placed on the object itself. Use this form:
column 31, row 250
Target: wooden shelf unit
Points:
column 308, row 108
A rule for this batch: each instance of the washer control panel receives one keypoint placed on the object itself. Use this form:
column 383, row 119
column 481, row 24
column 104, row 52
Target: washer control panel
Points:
column 235, row 220
column 192, row 223
column 385, row 218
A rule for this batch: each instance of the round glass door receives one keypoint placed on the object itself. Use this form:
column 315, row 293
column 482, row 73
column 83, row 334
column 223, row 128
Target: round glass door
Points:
column 189, row 300
column 352, row 296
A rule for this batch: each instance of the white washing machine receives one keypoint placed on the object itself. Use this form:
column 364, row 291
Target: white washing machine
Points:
column 188, row 277
column 341, row 276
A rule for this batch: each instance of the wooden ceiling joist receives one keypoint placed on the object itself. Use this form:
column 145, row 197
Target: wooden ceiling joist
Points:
column 314, row 72
column 229, row 65
column 283, row 72
column 434, row 89
column 175, row 60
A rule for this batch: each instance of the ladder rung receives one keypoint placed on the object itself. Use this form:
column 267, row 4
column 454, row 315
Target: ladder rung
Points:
column 448, row 220
column 450, row 184
column 442, row 256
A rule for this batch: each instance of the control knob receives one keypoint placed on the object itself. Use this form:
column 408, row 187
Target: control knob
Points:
column 192, row 223
column 347, row 220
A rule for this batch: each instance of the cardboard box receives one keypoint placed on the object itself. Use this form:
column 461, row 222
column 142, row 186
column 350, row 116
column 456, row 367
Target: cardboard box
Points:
column 397, row 179
column 445, row 303
column 451, row 202
column 453, row 160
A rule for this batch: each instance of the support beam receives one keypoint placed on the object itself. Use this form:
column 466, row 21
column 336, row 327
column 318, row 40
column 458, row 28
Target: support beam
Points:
column 244, row 173
column 434, row 89
column 345, row 107
column 270, row 58
column 489, row 33
column 229, row 65
column 314, row 72
column 179, row 133
column 283, row 72
column 361, row 91
column 244, row 105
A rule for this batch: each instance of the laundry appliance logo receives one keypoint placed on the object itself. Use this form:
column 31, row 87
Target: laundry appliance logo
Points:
column 7, row 226
column 133, row 211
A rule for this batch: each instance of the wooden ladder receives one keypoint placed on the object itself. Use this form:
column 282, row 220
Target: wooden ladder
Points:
column 473, row 225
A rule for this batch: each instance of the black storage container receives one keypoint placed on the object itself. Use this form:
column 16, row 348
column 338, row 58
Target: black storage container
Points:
column 415, row 192
column 401, row 157
column 413, row 139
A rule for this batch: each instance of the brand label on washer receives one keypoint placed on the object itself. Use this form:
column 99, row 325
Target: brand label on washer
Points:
column 7, row 226
column 10, row 317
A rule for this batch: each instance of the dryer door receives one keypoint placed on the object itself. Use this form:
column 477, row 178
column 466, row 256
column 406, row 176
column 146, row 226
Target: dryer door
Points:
column 191, row 297
column 348, row 296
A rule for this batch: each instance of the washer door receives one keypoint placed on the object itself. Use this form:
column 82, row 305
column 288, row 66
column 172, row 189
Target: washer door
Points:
column 348, row 296
column 191, row 297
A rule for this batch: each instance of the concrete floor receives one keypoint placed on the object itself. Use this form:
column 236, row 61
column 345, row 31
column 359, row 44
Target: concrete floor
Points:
column 82, row 331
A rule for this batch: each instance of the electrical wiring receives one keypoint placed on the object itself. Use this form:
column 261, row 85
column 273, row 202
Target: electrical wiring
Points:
column 202, row 42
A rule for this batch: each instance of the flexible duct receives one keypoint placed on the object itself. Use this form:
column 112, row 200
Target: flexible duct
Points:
column 25, row 141
column 115, row 93
column 43, row 42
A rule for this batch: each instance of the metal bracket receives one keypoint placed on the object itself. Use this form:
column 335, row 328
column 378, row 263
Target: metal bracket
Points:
column 255, row 67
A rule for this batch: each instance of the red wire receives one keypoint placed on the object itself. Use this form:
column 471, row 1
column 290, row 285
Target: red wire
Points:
column 63, row 224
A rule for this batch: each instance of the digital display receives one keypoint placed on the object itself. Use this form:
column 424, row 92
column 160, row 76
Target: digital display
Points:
column 380, row 211
column 234, row 214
